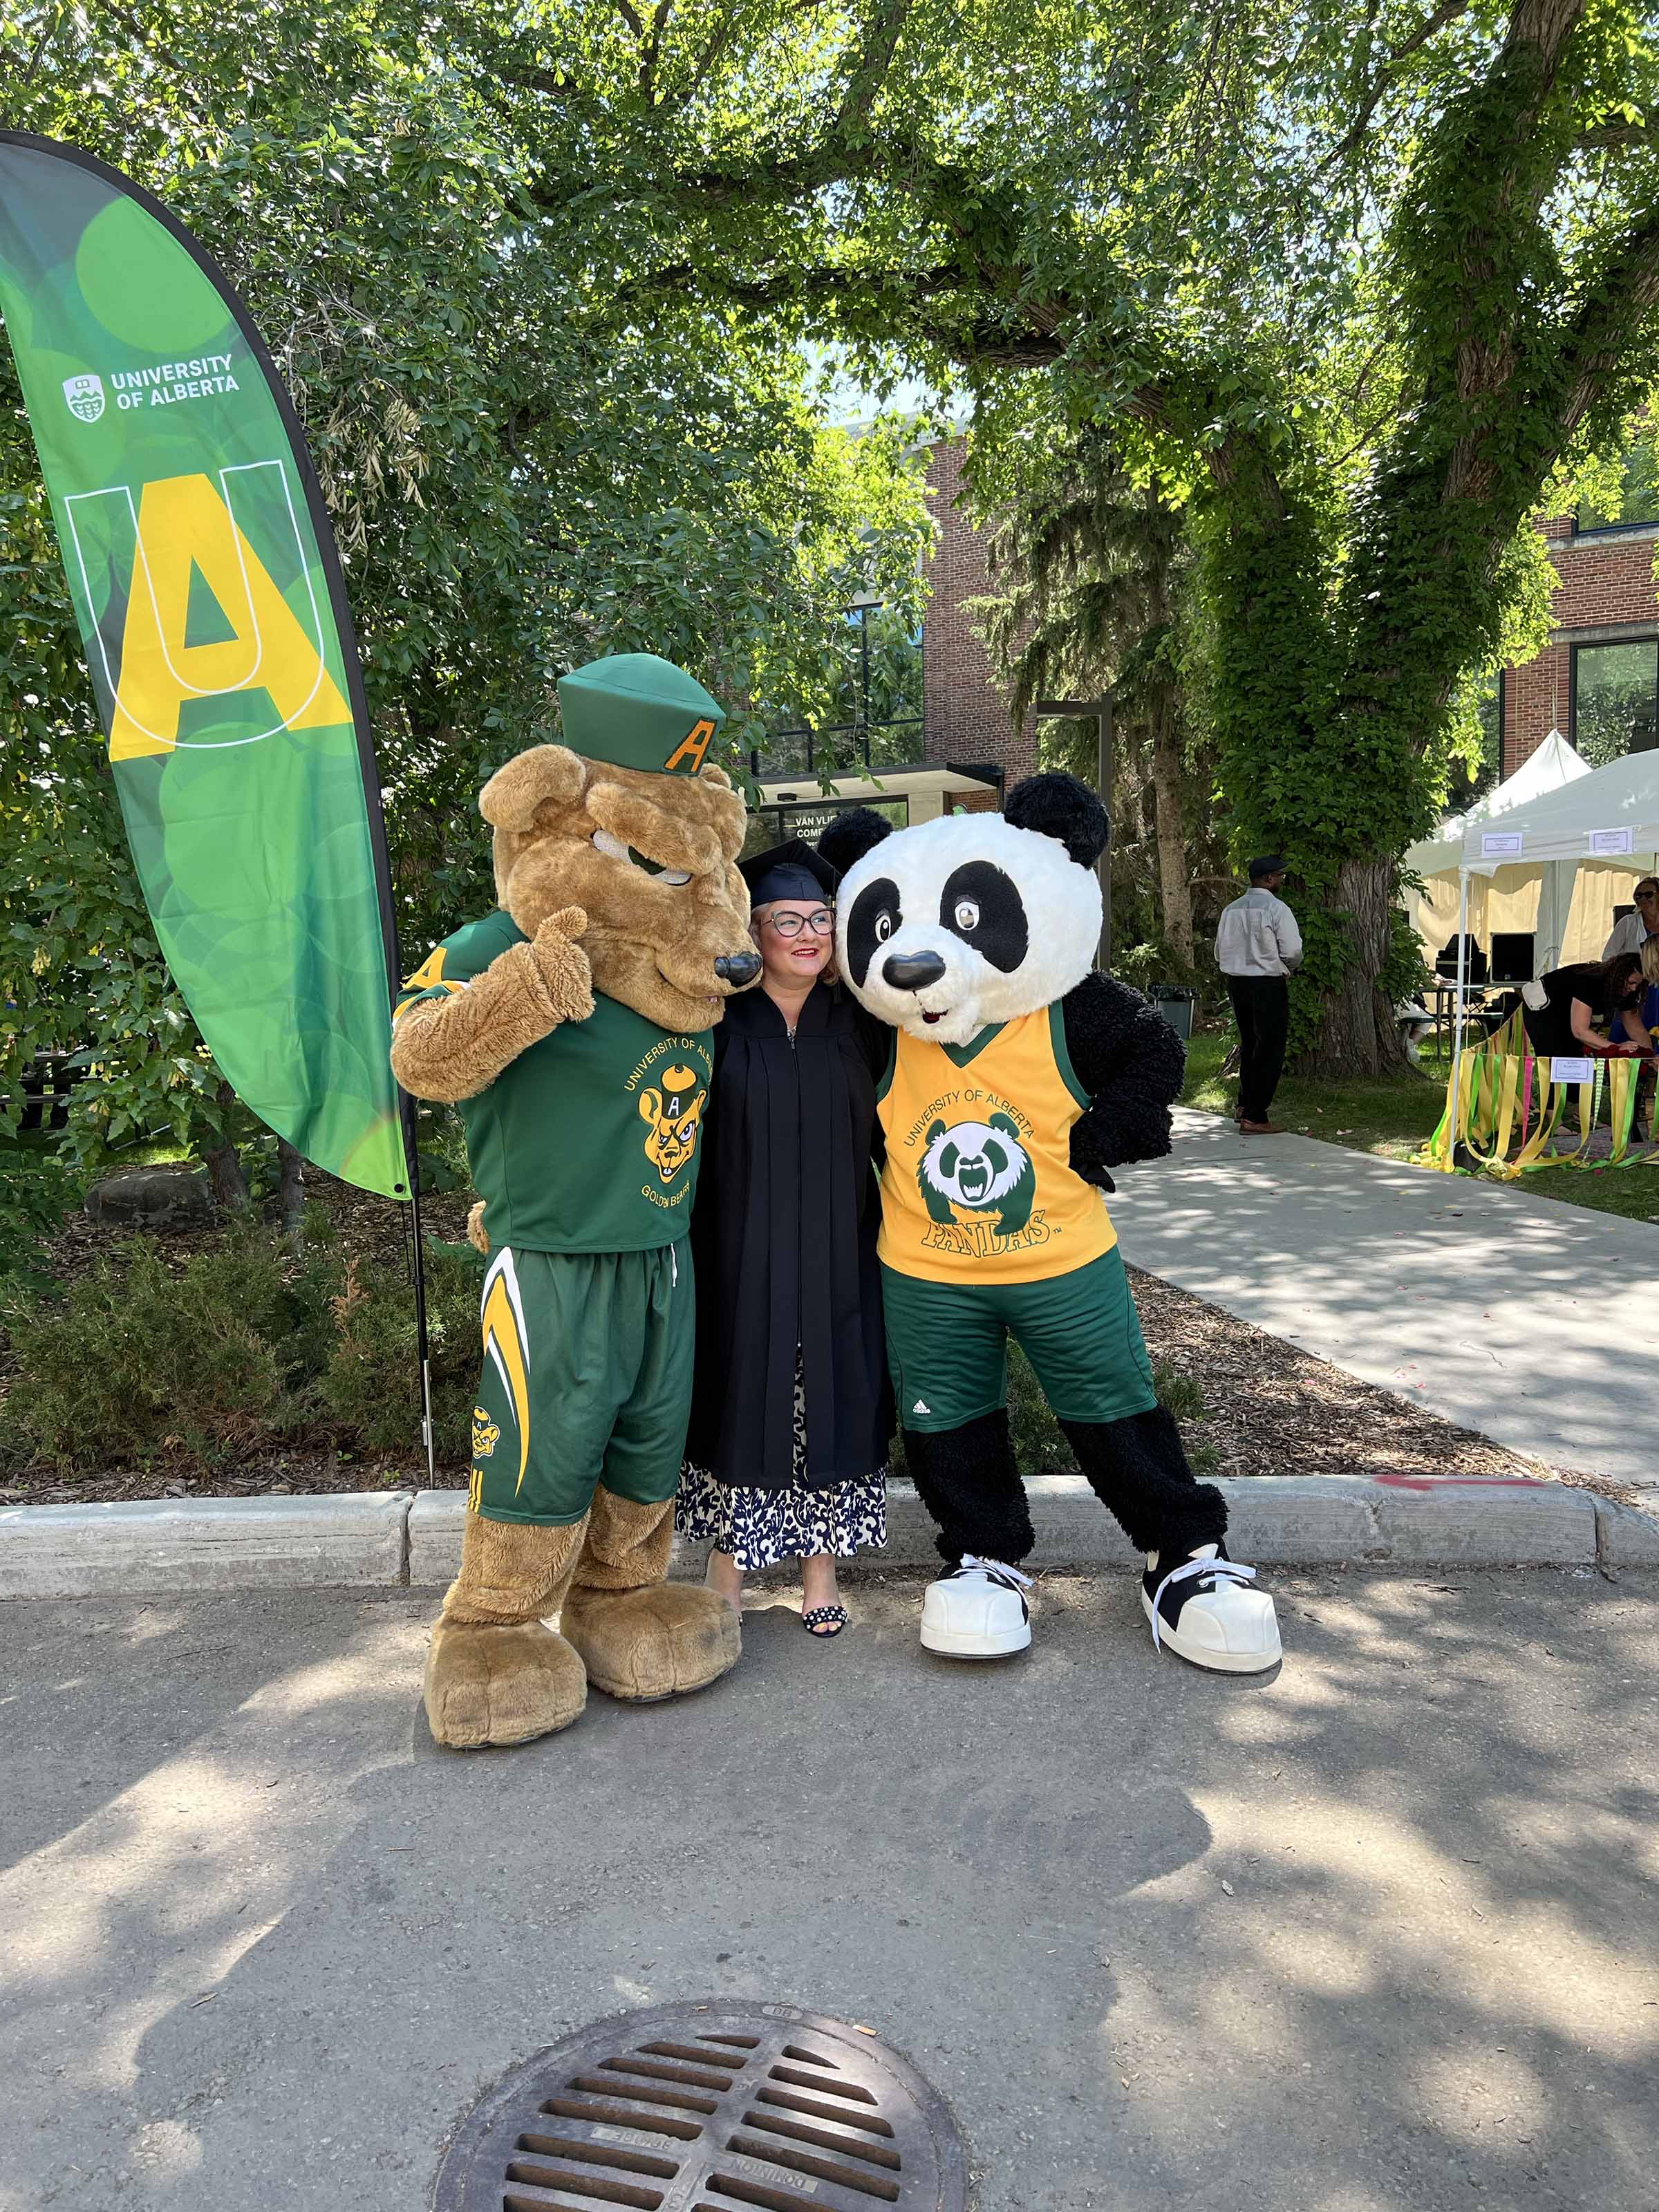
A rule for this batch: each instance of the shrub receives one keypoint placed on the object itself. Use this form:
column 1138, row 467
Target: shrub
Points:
column 369, row 1384
column 36, row 1194
column 135, row 1359
column 246, row 1345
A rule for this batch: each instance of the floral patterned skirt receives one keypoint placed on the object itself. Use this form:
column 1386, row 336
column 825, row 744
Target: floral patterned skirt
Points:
column 757, row 1528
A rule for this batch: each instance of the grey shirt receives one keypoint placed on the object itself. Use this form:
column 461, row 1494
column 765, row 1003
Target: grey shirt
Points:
column 1258, row 936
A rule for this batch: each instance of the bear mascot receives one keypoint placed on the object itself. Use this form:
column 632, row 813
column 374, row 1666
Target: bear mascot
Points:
column 572, row 1027
column 1018, row 1078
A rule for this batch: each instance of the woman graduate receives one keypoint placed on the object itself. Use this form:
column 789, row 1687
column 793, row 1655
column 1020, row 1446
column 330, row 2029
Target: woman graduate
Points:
column 787, row 1454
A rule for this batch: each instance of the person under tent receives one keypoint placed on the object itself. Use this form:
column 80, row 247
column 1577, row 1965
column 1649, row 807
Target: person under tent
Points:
column 1562, row 1009
column 1639, row 928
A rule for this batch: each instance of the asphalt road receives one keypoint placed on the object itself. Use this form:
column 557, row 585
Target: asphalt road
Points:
column 1379, row 1933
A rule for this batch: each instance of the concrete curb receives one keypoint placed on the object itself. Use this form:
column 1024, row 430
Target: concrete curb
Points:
column 393, row 1539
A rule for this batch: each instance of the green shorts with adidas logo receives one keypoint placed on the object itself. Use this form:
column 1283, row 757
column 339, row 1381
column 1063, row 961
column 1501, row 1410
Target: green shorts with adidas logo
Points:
column 947, row 1345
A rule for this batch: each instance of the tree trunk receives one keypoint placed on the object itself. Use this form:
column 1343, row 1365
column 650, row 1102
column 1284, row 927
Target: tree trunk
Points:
column 1357, row 1034
column 291, row 1186
column 224, row 1176
column 225, row 1179
column 1175, row 891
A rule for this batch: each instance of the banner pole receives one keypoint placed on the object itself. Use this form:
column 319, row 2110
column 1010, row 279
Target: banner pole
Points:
column 422, row 1347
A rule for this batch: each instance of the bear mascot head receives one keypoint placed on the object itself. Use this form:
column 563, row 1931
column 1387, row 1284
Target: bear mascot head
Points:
column 629, row 822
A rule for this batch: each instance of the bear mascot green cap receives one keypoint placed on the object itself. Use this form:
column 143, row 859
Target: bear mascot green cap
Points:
column 572, row 1028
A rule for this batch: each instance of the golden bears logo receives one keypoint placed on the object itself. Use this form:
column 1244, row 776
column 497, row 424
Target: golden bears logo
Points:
column 671, row 1117
column 485, row 1434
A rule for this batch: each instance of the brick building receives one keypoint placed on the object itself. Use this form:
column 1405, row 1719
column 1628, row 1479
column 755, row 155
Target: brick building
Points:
column 1598, row 680
column 965, row 711
column 963, row 754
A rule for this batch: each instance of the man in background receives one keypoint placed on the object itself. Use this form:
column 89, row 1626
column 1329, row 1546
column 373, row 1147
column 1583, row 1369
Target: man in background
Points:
column 1630, row 933
column 1258, row 946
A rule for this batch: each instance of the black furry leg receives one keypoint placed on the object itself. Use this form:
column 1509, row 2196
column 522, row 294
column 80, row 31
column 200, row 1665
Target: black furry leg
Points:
column 967, row 1480
column 1139, row 1471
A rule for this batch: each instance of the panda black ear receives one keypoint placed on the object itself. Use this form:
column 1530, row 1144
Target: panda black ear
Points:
column 850, row 837
column 1059, row 806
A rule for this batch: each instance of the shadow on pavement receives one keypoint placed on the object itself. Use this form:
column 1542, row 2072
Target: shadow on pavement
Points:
column 1378, row 1933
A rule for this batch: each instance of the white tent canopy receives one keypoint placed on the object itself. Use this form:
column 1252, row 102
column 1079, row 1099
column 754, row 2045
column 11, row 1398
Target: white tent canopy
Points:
column 1545, row 853
column 1603, row 823
column 1553, row 764
column 1608, row 817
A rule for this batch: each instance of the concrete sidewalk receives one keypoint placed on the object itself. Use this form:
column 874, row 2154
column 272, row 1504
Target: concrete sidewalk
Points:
column 1375, row 1935
column 1535, row 1323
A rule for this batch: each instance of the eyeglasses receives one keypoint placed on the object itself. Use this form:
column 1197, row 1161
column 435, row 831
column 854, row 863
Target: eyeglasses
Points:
column 791, row 925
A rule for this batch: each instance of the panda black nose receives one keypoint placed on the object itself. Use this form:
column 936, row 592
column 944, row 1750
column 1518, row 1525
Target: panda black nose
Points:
column 739, row 968
column 912, row 971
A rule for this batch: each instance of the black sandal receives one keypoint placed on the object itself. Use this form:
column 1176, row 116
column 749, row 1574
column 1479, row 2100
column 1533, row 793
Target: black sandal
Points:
column 825, row 1621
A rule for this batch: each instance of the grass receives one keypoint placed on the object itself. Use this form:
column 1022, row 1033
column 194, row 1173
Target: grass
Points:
column 1395, row 1118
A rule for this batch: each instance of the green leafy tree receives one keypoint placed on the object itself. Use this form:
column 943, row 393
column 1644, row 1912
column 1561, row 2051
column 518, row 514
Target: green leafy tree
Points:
column 1351, row 283
column 1096, row 577
column 521, row 477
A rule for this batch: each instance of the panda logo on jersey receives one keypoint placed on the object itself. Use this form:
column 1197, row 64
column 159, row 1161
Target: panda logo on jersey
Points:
column 950, row 926
column 982, row 1167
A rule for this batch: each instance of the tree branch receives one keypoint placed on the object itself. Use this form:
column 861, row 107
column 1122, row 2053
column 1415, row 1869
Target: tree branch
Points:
column 1628, row 290
column 659, row 15
column 1618, row 134
column 1382, row 82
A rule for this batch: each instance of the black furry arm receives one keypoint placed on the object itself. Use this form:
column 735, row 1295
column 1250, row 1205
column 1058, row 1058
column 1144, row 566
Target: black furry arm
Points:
column 1131, row 1062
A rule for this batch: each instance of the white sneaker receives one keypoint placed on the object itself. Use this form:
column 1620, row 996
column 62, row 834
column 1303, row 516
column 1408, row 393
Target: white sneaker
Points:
column 1205, row 1611
column 977, row 1611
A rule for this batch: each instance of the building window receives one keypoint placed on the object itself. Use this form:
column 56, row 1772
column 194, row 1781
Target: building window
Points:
column 871, row 675
column 1615, row 700
column 1637, row 504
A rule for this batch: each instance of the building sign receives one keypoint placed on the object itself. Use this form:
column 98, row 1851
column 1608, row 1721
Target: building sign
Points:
column 810, row 818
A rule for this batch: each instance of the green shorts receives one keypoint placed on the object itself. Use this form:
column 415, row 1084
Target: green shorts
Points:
column 588, row 1360
column 947, row 1345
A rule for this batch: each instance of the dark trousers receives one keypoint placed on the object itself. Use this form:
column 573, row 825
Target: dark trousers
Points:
column 969, row 1482
column 1261, row 1007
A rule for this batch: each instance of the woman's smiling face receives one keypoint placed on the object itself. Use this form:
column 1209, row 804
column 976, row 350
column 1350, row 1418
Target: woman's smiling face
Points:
column 797, row 951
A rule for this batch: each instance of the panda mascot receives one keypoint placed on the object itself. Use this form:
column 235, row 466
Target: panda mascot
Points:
column 1018, row 1078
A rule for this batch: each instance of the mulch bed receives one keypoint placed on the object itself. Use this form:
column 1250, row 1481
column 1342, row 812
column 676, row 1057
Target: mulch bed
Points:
column 1269, row 1408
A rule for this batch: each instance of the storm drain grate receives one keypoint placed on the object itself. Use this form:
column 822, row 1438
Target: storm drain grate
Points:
column 708, row 2108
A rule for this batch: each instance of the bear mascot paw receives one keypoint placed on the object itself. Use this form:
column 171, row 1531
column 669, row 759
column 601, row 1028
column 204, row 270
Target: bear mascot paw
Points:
column 572, row 1029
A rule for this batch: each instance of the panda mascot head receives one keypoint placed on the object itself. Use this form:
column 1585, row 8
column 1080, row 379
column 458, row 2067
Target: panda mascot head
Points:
column 950, row 925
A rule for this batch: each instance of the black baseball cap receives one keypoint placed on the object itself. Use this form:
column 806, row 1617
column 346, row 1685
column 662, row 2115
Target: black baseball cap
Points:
column 1269, row 864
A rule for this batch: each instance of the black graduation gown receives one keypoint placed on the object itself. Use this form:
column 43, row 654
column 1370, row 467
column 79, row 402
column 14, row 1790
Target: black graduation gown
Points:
column 784, row 1238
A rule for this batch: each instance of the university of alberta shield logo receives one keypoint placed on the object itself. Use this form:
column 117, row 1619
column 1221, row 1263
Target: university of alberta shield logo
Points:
column 85, row 395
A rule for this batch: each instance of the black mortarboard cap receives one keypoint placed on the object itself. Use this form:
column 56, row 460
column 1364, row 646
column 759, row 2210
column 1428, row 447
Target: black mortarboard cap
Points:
column 790, row 871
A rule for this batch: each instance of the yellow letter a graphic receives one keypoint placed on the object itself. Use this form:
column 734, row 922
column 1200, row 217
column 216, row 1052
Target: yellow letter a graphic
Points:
column 183, row 519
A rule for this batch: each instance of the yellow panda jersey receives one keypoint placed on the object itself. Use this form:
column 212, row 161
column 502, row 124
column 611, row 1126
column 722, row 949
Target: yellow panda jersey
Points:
column 979, row 1185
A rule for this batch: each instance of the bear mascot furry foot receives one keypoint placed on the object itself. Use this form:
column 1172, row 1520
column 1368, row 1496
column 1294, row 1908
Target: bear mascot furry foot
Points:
column 1018, row 1076
column 572, row 1028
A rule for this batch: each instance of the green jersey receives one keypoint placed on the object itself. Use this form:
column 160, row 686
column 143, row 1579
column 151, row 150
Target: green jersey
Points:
column 587, row 1142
